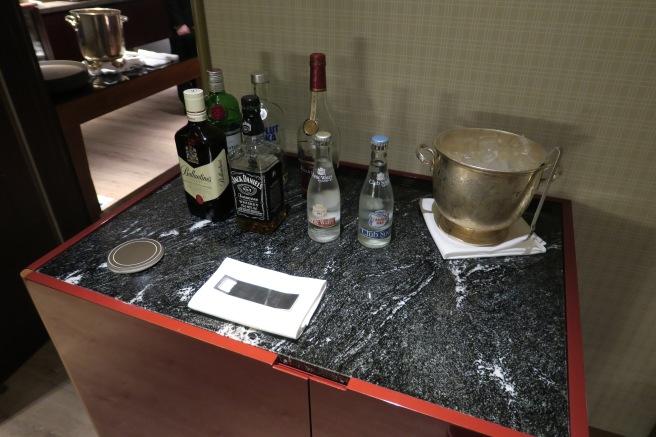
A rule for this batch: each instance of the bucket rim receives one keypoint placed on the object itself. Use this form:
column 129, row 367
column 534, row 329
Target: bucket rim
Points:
column 482, row 169
column 95, row 11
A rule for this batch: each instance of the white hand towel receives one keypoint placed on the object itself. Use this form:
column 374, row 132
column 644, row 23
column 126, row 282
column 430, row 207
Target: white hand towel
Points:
column 155, row 59
column 515, row 244
column 259, row 298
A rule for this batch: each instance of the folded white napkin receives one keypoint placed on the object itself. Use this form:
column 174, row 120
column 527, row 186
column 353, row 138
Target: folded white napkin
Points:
column 515, row 244
column 259, row 298
column 155, row 59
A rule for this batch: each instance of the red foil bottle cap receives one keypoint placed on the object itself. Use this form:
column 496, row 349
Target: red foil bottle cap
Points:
column 317, row 72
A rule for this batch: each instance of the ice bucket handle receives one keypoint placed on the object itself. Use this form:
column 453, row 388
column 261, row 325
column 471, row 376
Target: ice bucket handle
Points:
column 72, row 20
column 422, row 155
column 555, row 151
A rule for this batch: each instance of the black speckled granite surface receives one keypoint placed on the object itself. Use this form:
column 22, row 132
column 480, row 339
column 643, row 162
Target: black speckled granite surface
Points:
column 485, row 337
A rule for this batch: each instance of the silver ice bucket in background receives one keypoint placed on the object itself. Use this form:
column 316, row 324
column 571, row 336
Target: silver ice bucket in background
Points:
column 99, row 33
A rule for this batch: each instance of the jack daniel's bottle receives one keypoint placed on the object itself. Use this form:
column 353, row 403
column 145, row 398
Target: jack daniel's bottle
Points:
column 257, row 175
column 203, row 162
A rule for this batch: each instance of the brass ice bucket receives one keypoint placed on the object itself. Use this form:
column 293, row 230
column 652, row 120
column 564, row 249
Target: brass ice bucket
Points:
column 99, row 33
column 483, row 181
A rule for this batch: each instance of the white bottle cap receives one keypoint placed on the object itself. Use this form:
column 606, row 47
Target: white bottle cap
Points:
column 194, row 100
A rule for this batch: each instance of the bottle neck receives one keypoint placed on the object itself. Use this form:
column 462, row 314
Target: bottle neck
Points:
column 317, row 78
column 324, row 155
column 216, row 87
column 261, row 90
column 196, row 117
column 379, row 158
column 252, row 126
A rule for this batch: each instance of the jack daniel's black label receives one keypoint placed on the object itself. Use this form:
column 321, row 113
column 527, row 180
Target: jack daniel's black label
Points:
column 258, row 196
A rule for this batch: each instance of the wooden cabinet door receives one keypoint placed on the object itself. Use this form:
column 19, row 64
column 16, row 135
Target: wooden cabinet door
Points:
column 361, row 409
column 137, row 378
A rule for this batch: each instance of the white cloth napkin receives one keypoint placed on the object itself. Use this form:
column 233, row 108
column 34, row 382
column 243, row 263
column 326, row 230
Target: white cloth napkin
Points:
column 132, row 60
column 155, row 59
column 259, row 298
column 515, row 244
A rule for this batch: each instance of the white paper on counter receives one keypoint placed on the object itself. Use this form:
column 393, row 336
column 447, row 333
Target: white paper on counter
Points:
column 516, row 243
column 285, row 322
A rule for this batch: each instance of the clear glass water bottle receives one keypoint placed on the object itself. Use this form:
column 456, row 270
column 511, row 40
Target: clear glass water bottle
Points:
column 323, row 196
column 376, row 199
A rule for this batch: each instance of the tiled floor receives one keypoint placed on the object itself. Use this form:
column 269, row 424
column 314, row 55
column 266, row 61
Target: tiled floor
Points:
column 39, row 401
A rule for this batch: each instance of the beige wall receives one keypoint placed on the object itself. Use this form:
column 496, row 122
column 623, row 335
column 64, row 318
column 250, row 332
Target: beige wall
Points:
column 578, row 74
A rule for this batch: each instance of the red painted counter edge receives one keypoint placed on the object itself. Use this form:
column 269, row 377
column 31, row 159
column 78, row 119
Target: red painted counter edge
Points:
column 152, row 317
column 578, row 408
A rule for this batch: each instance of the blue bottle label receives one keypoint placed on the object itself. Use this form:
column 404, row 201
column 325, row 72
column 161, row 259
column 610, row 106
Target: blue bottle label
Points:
column 378, row 235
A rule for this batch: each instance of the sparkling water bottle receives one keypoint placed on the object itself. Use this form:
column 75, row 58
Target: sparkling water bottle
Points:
column 323, row 197
column 376, row 199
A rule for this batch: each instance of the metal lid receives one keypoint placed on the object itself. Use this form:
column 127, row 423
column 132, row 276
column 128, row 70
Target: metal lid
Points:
column 135, row 255
column 259, row 77
column 322, row 137
column 379, row 142
column 215, row 77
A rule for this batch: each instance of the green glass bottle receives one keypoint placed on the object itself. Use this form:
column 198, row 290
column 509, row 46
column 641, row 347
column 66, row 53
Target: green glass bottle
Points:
column 223, row 108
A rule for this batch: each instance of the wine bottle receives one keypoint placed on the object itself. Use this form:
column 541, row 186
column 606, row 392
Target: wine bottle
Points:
column 256, row 174
column 319, row 119
column 223, row 108
column 202, row 153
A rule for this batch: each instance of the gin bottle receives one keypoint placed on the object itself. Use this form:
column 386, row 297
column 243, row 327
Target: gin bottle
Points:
column 256, row 175
column 272, row 117
column 323, row 196
column 376, row 209
column 319, row 119
column 202, row 155
column 223, row 108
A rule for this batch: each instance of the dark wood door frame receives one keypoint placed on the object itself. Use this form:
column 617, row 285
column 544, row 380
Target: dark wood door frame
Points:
column 41, row 199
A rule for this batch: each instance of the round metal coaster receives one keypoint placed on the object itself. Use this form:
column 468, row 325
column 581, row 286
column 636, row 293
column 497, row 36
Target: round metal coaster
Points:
column 135, row 255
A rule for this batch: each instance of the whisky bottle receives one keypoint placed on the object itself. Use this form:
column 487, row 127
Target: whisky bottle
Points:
column 319, row 119
column 256, row 174
column 202, row 154
column 223, row 108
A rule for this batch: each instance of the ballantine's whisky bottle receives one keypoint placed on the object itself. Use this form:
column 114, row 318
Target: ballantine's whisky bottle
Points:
column 203, row 161
column 256, row 174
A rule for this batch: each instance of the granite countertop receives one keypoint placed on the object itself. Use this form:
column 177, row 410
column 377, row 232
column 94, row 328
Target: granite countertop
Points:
column 485, row 337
